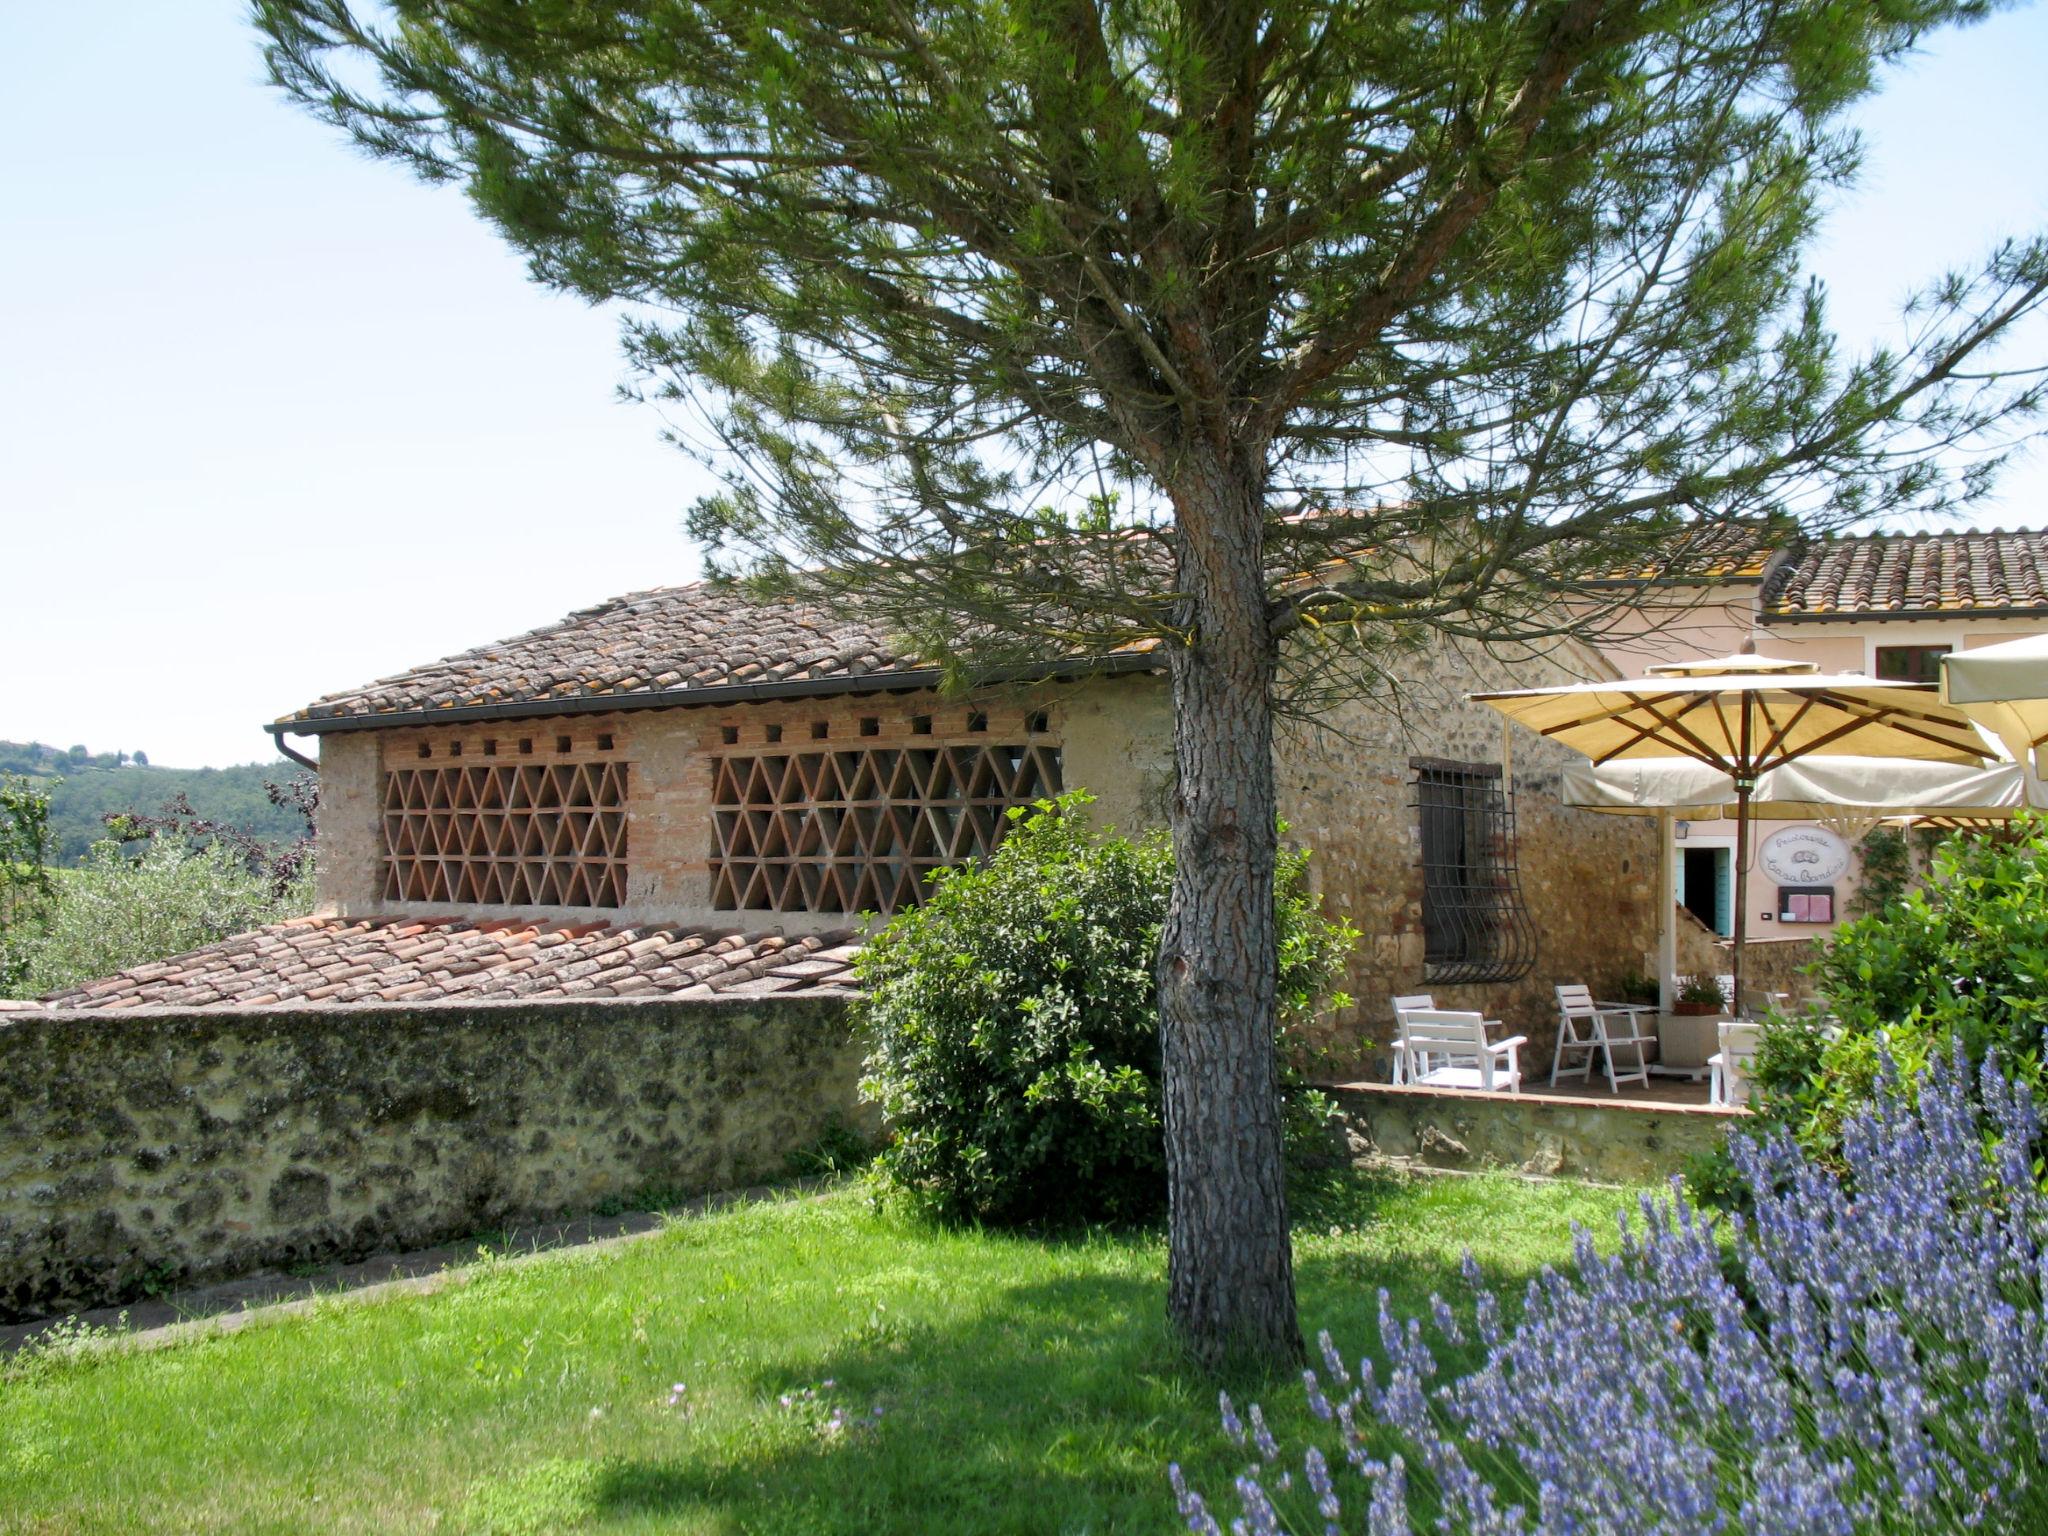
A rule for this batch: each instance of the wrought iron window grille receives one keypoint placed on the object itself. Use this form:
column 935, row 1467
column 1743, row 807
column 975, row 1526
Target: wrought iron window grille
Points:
column 1474, row 923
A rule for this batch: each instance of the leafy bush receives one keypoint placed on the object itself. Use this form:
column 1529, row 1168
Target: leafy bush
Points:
column 1887, row 870
column 1632, row 986
column 1013, row 1023
column 1870, row 1355
column 1700, row 990
column 26, row 889
column 1961, row 961
column 124, row 909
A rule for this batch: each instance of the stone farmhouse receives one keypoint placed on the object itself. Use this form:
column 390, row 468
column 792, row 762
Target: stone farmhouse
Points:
column 589, row 899
column 684, row 792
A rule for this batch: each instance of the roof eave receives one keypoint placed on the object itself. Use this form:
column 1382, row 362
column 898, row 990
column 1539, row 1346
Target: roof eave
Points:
column 1894, row 615
column 725, row 693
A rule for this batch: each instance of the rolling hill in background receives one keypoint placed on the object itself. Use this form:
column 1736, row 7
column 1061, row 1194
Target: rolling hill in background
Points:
column 86, row 786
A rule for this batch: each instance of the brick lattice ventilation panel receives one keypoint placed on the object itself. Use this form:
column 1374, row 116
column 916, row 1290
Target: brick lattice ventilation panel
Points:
column 517, row 835
column 858, row 831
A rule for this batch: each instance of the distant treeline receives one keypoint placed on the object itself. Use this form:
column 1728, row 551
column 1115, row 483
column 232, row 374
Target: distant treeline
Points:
column 97, row 785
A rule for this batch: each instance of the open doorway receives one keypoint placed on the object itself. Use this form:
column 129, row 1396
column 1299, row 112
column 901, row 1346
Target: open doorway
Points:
column 1706, row 886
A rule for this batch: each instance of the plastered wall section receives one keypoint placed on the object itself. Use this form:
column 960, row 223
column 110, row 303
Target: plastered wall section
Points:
column 1114, row 737
column 159, row 1146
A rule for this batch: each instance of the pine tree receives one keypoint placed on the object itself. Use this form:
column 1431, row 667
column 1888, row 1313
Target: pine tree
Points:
column 1274, row 335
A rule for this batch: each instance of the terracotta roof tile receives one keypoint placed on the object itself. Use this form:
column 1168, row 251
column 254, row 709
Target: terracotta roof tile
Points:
column 1927, row 575
column 646, row 647
column 671, row 639
column 1728, row 553
column 338, row 961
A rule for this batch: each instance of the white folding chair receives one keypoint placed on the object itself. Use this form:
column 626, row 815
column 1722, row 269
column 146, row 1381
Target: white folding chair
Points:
column 1728, row 1072
column 1447, row 1049
column 1597, row 1029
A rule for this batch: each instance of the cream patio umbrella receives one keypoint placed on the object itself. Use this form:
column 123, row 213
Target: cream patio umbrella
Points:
column 1819, row 788
column 1847, row 795
column 1746, row 715
column 2005, row 689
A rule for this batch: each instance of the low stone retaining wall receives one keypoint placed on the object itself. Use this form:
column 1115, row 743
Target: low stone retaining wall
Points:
column 1569, row 1137
column 156, row 1145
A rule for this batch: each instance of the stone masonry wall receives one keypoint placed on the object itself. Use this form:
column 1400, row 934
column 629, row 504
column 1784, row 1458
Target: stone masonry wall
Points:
column 156, row 1145
column 1579, row 1138
column 1779, row 965
column 1587, row 880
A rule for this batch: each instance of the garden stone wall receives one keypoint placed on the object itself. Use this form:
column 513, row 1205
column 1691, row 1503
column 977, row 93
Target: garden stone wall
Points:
column 159, row 1146
column 1612, row 1143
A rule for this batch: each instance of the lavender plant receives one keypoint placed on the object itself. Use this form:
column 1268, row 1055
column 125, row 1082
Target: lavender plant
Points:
column 1866, row 1353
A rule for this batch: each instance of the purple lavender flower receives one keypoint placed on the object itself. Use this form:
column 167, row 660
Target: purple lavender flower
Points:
column 1867, row 1353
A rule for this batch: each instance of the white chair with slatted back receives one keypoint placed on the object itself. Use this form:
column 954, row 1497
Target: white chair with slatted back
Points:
column 1596, row 1029
column 1728, row 1072
column 1401, row 1007
column 1457, row 1053
column 1758, row 1003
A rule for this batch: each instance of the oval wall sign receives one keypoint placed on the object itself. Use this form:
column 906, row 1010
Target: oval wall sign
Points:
column 1804, row 856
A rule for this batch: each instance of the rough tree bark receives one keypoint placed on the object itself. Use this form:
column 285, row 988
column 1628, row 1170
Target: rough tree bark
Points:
column 1230, row 1267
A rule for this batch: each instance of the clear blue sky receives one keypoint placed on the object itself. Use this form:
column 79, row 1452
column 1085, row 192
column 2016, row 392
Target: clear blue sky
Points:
column 275, row 420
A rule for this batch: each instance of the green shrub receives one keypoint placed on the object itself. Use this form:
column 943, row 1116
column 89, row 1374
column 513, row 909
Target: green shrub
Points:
column 1013, row 1025
column 26, row 886
column 126, row 908
column 1887, row 870
column 1960, row 959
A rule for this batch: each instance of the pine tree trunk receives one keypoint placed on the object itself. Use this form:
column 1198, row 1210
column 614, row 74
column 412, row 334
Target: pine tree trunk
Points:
column 1231, row 1270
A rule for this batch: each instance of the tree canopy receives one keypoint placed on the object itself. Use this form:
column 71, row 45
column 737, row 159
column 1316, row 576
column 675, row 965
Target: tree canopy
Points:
column 1055, row 325
column 1520, row 279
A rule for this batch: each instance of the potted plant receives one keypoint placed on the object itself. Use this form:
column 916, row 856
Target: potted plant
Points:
column 1635, row 987
column 1698, row 997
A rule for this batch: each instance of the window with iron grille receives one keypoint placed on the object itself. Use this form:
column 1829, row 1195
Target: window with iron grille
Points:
column 514, row 835
column 858, row 831
column 1474, row 925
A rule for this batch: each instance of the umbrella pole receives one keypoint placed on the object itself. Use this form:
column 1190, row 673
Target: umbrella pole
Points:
column 1744, row 787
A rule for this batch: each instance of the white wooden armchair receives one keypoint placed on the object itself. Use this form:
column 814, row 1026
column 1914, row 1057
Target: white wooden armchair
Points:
column 1597, row 1029
column 1402, row 1006
column 1445, row 1049
column 1407, row 1068
column 1728, row 1072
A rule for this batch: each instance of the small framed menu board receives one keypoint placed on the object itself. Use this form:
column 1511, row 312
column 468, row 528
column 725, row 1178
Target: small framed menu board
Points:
column 1806, row 903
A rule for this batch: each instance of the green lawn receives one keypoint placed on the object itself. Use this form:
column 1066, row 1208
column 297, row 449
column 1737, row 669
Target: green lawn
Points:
column 1024, row 1385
